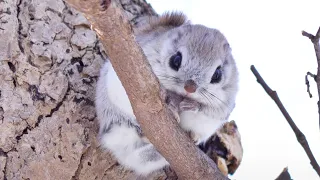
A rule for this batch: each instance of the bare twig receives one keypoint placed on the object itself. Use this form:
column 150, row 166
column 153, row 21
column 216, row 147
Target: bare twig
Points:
column 284, row 175
column 300, row 136
column 315, row 41
column 310, row 36
column 143, row 89
column 307, row 82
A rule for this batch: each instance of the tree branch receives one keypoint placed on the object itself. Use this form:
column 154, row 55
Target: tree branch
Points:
column 300, row 136
column 307, row 82
column 143, row 89
column 315, row 41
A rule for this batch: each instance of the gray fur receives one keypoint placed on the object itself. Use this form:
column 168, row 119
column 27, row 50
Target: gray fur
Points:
column 201, row 113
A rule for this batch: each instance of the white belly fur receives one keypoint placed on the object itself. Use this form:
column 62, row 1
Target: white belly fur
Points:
column 117, row 93
column 200, row 124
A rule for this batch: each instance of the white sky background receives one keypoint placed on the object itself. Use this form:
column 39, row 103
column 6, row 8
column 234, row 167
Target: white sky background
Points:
column 268, row 35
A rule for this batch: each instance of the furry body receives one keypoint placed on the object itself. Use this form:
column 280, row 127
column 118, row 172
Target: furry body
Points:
column 204, row 52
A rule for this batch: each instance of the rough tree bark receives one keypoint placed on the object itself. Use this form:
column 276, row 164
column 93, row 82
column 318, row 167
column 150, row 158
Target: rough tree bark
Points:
column 49, row 63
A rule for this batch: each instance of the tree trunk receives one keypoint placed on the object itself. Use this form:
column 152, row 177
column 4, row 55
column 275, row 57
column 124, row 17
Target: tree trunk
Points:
column 49, row 63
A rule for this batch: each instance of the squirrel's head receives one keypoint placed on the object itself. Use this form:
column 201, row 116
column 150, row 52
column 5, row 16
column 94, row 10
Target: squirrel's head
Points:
column 191, row 60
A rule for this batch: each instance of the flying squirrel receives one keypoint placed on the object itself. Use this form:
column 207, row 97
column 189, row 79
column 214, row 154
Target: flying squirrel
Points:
column 194, row 65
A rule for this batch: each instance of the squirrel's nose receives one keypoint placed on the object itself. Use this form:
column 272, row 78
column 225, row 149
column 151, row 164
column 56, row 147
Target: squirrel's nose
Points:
column 190, row 86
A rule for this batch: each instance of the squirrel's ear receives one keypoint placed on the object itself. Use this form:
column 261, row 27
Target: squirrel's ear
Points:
column 166, row 21
column 170, row 20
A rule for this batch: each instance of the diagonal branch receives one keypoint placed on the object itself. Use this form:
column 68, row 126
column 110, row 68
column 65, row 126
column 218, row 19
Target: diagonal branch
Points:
column 143, row 90
column 300, row 136
column 316, row 45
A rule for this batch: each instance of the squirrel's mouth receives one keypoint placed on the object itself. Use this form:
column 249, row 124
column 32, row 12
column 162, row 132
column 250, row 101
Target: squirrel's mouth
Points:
column 184, row 95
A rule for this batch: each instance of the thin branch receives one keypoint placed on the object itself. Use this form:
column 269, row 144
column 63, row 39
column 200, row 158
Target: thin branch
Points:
column 318, row 34
column 300, row 136
column 143, row 90
column 307, row 82
column 310, row 36
column 315, row 41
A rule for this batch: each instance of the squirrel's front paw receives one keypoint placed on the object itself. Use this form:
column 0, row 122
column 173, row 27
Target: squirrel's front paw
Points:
column 175, row 113
column 195, row 137
column 189, row 105
column 173, row 100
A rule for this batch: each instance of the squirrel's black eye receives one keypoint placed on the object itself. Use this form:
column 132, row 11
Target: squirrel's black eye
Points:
column 216, row 76
column 175, row 61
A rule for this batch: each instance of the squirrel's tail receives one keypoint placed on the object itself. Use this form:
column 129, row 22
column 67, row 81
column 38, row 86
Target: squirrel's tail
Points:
column 131, row 150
